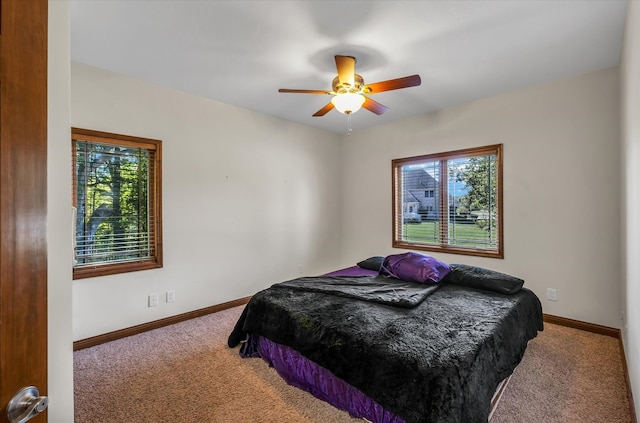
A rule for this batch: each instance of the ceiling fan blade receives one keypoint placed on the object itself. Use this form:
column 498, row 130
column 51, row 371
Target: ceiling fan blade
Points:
column 393, row 84
column 374, row 106
column 346, row 66
column 286, row 90
column 326, row 109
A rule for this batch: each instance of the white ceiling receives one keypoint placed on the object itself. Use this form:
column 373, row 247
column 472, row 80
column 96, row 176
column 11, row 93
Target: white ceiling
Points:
column 241, row 52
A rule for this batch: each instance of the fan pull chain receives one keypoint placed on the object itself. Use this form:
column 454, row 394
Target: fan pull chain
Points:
column 349, row 124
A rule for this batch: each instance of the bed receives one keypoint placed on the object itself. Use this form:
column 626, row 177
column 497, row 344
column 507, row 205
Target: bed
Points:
column 390, row 349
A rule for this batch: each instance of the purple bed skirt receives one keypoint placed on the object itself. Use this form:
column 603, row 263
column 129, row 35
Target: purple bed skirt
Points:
column 303, row 373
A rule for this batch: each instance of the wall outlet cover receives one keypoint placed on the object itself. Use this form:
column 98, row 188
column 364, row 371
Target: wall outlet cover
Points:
column 154, row 299
column 171, row 296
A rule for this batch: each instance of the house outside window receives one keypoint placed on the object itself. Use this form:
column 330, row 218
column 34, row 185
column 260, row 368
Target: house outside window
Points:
column 456, row 198
column 117, row 203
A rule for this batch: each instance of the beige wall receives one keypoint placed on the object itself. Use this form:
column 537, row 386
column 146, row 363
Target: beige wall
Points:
column 60, row 390
column 248, row 200
column 631, row 196
column 561, row 149
column 561, row 187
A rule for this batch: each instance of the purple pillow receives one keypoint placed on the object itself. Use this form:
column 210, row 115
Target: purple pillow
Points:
column 414, row 267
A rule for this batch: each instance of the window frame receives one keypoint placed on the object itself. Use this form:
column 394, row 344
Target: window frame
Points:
column 443, row 246
column 155, row 194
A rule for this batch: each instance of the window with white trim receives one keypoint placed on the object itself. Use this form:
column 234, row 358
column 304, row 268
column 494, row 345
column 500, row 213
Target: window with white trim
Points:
column 117, row 203
column 450, row 202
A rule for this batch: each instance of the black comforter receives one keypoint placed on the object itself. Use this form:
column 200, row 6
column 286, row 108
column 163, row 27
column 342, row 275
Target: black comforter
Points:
column 378, row 289
column 439, row 361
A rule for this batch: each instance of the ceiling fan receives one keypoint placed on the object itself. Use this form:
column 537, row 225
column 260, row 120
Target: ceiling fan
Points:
column 349, row 89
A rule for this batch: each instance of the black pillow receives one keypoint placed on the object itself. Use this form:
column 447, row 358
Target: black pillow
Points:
column 372, row 263
column 481, row 278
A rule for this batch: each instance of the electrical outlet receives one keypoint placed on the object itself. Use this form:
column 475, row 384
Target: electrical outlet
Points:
column 154, row 299
column 171, row 296
column 552, row 294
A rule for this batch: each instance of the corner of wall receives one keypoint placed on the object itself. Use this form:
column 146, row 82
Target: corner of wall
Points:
column 630, row 141
column 60, row 343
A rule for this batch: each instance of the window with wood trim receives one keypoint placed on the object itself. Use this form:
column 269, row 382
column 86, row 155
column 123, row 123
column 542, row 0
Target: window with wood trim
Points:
column 450, row 202
column 117, row 203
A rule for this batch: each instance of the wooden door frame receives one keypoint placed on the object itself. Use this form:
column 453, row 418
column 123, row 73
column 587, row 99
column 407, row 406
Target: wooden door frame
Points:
column 23, row 198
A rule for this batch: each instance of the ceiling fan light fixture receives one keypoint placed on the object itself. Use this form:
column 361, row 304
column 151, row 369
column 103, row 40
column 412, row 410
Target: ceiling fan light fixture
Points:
column 348, row 89
column 347, row 103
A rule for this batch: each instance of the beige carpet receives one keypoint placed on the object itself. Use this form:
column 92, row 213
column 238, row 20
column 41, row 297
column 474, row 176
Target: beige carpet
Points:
column 567, row 375
column 185, row 373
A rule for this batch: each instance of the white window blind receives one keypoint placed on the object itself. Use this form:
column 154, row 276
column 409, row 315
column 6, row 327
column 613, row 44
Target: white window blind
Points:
column 116, row 197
